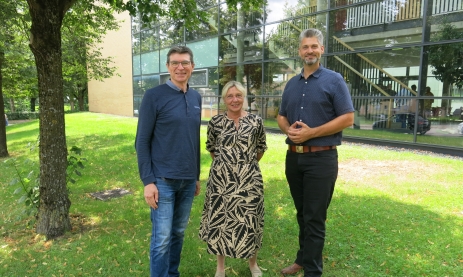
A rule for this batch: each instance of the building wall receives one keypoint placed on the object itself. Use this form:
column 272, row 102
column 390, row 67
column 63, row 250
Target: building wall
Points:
column 114, row 95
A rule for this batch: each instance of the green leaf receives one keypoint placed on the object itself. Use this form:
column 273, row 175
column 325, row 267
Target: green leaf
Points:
column 14, row 182
column 30, row 175
column 18, row 190
column 22, row 199
column 78, row 173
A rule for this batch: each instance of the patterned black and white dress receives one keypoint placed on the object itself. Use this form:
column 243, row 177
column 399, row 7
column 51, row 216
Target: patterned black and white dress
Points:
column 232, row 221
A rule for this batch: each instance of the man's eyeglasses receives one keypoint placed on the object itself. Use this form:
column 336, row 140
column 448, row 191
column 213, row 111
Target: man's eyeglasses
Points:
column 176, row 64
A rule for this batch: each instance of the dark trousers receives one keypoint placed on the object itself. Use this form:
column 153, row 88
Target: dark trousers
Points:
column 311, row 178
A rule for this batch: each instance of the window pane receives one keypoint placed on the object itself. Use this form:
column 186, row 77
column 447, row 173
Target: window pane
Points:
column 202, row 51
column 136, row 65
column 277, row 74
column 140, row 85
column 207, row 28
column 136, row 43
column 278, row 10
column 282, row 40
column 244, row 46
column 373, row 25
column 445, row 30
column 171, row 34
column 231, row 20
column 149, row 40
column 150, row 62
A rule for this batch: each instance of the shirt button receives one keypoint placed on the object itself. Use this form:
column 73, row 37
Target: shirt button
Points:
column 302, row 108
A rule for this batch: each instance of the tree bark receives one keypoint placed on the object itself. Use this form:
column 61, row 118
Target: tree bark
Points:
column 33, row 104
column 47, row 17
column 12, row 106
column 81, row 97
column 3, row 145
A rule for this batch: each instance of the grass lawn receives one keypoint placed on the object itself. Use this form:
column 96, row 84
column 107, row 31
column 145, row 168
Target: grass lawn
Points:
column 394, row 213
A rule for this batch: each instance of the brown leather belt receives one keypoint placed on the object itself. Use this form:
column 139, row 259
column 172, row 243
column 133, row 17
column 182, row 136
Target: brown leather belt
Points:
column 306, row 149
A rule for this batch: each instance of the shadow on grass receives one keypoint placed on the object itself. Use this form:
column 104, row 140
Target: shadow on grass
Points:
column 366, row 236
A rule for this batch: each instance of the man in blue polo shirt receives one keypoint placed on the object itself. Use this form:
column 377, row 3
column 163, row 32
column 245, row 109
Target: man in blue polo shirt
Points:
column 167, row 144
column 315, row 108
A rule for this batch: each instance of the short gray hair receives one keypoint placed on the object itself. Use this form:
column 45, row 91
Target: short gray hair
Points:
column 231, row 84
column 309, row 33
column 180, row 49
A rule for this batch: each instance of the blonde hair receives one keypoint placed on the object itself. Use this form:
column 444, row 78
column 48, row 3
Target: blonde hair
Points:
column 231, row 84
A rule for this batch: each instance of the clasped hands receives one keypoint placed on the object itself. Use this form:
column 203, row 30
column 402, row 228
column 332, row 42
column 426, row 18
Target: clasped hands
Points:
column 299, row 132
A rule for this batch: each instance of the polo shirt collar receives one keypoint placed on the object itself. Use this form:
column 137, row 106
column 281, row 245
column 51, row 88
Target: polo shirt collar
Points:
column 170, row 84
column 316, row 74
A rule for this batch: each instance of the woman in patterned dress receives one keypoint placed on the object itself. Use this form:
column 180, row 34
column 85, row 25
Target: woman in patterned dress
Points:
column 233, row 216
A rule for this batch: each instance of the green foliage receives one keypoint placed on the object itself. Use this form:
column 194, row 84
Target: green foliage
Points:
column 27, row 187
column 75, row 163
column 23, row 115
column 19, row 72
column 27, row 181
column 188, row 11
column 447, row 59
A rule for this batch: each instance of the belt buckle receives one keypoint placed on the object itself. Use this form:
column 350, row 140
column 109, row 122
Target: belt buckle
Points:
column 299, row 149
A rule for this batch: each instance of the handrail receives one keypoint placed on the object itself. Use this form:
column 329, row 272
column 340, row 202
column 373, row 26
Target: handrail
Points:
column 389, row 110
column 361, row 76
column 376, row 66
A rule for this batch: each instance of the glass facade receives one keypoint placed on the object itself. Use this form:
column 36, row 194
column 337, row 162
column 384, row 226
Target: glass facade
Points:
column 401, row 59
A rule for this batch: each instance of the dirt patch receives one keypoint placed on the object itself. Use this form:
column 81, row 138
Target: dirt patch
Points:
column 358, row 170
column 108, row 194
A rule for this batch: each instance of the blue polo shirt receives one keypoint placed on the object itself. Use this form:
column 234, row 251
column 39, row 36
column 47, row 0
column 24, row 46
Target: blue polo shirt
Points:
column 320, row 98
column 168, row 134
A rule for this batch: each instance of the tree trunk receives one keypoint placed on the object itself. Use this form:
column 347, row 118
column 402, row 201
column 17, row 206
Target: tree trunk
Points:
column 71, row 103
column 3, row 145
column 446, row 106
column 81, row 98
column 12, row 106
column 33, row 104
column 53, row 215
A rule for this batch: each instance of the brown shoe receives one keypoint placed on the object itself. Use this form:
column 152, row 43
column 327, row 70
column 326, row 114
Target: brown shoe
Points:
column 292, row 269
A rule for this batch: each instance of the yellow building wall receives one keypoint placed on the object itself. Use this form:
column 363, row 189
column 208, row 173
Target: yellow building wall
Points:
column 114, row 95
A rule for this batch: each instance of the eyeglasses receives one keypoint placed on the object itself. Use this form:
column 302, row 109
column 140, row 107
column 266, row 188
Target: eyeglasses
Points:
column 175, row 64
column 231, row 96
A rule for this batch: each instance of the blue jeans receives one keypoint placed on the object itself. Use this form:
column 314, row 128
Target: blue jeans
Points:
column 169, row 222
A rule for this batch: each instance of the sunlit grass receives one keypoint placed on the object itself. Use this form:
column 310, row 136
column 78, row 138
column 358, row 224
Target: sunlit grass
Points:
column 393, row 213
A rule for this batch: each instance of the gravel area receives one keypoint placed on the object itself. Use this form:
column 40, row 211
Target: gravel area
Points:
column 401, row 149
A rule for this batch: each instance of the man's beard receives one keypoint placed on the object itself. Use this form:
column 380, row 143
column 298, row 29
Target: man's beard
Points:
column 310, row 61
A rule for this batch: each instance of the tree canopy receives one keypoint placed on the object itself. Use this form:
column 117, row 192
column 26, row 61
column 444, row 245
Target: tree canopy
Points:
column 47, row 17
column 447, row 58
